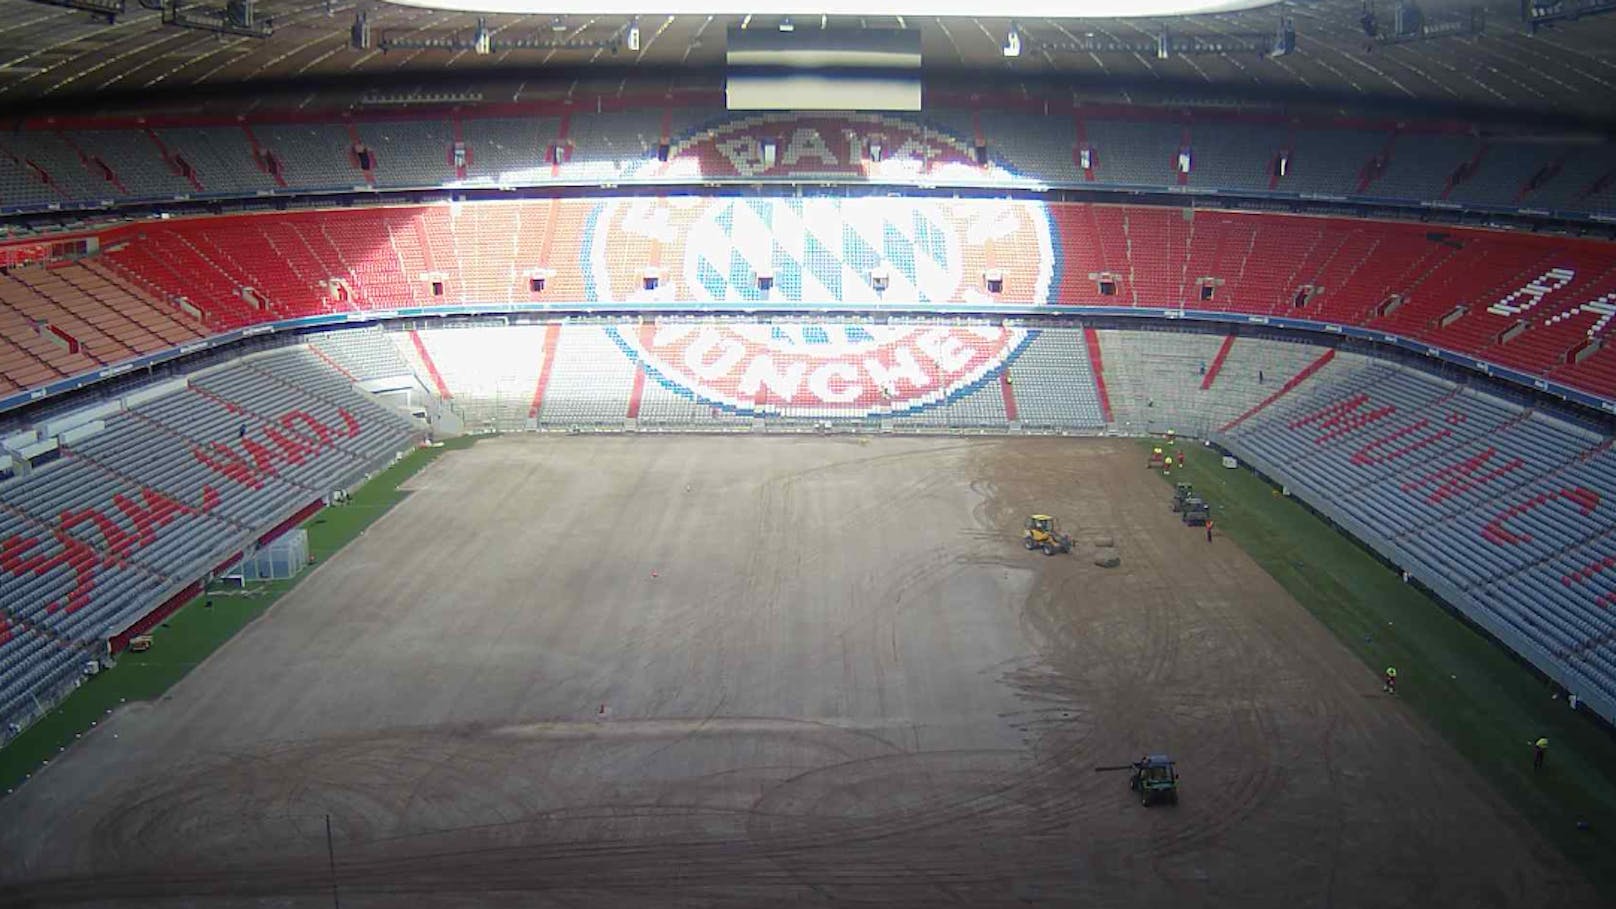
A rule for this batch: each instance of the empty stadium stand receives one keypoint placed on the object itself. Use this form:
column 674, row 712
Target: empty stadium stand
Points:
column 1536, row 304
column 152, row 491
column 701, row 374
column 162, row 158
column 1503, row 509
column 1193, row 384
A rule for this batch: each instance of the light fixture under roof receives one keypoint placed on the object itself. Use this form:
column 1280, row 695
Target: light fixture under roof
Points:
column 1018, row 9
column 1012, row 42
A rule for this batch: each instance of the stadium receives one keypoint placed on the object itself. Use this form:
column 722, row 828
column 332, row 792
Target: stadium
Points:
column 480, row 452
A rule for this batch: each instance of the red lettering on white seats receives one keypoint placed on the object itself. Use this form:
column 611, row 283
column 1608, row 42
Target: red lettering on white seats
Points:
column 292, row 450
column 262, row 458
column 74, row 552
column 223, row 460
column 1589, row 571
column 1462, row 476
column 1342, row 417
column 77, row 553
column 350, row 425
column 298, row 437
column 117, row 539
column 159, row 510
column 1495, row 531
column 12, row 549
column 310, row 424
column 1364, row 456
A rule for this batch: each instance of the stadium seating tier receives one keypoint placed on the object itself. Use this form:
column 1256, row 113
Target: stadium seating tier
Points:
column 1533, row 303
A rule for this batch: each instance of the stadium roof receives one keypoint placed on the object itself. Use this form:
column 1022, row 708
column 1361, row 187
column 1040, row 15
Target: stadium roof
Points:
column 53, row 56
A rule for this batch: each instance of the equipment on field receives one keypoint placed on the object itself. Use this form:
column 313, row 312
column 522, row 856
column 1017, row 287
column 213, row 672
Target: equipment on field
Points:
column 1181, row 491
column 1043, row 532
column 1154, row 777
column 1195, row 512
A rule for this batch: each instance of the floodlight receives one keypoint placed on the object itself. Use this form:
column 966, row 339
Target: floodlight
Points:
column 1012, row 42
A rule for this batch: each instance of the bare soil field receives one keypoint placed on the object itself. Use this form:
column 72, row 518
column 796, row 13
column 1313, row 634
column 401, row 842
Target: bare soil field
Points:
column 735, row 671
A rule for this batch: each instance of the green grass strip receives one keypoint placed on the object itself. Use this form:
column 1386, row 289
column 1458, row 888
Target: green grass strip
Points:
column 194, row 631
column 1466, row 686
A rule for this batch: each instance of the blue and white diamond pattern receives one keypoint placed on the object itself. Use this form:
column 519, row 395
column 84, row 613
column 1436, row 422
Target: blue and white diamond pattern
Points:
column 823, row 250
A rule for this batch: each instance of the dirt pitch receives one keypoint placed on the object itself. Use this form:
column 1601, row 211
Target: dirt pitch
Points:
column 773, row 671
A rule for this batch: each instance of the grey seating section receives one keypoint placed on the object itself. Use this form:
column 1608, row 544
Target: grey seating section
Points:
column 981, row 407
column 69, row 173
column 1154, row 378
column 135, row 158
column 1482, row 499
column 606, row 144
column 221, row 157
column 1581, row 168
column 312, row 155
column 160, row 448
column 32, row 666
column 1236, row 157
column 1420, row 166
column 684, row 122
column 1330, row 161
column 508, row 149
column 1135, row 154
column 19, row 185
column 492, row 374
column 412, row 153
column 366, row 353
column 1037, row 148
column 590, row 381
column 1053, row 382
column 666, row 405
column 1004, row 151
column 1503, row 173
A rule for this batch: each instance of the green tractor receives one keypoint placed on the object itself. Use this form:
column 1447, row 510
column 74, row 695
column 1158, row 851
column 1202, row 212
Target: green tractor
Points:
column 1043, row 532
column 1181, row 491
column 1154, row 777
column 1195, row 512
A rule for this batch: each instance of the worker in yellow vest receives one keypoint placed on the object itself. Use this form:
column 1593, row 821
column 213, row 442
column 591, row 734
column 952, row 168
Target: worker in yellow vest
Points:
column 1391, row 680
column 1539, row 749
